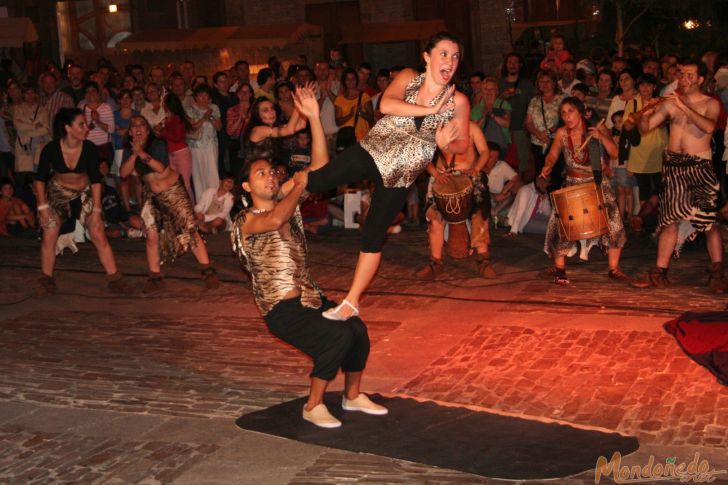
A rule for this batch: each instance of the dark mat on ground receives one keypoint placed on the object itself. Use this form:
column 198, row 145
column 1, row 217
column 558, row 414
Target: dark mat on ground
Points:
column 448, row 437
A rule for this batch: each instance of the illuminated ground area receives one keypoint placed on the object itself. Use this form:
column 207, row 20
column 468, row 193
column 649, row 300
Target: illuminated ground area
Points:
column 95, row 387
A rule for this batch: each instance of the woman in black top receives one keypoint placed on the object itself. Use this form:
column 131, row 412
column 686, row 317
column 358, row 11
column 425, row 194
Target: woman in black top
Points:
column 168, row 220
column 68, row 186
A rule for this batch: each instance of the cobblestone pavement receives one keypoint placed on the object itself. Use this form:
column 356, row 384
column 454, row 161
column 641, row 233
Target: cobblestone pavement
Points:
column 99, row 388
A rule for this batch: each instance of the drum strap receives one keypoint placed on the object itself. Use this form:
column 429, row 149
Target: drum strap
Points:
column 595, row 157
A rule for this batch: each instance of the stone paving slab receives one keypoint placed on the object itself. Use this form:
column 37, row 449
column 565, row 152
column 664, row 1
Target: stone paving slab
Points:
column 153, row 363
column 45, row 457
column 637, row 382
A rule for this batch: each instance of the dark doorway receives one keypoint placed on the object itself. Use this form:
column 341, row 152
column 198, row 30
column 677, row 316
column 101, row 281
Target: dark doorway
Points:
column 455, row 13
column 331, row 16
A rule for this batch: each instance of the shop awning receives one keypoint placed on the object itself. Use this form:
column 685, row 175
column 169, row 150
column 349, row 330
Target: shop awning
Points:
column 278, row 35
column 14, row 31
column 173, row 39
column 390, row 31
column 218, row 37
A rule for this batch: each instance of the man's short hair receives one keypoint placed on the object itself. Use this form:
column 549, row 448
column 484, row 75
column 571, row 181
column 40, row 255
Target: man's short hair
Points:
column 581, row 87
column 263, row 75
column 494, row 147
column 691, row 61
column 217, row 76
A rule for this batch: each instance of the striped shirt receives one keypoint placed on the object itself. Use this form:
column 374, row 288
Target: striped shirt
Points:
column 96, row 134
column 54, row 102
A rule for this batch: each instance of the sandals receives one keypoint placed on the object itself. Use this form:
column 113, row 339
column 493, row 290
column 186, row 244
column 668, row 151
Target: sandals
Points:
column 335, row 313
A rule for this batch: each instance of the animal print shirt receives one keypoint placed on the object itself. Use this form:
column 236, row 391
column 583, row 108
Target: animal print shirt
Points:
column 276, row 265
column 402, row 146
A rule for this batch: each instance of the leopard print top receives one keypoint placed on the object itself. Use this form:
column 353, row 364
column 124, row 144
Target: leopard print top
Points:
column 276, row 265
column 402, row 146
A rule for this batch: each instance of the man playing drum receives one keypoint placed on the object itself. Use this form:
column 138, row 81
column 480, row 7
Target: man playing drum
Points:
column 448, row 167
column 571, row 140
column 689, row 184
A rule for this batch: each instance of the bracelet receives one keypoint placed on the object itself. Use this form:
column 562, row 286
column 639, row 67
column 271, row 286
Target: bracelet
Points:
column 96, row 209
column 43, row 207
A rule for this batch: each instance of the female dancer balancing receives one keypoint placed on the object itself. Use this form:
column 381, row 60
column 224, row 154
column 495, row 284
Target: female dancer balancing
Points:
column 422, row 112
column 570, row 140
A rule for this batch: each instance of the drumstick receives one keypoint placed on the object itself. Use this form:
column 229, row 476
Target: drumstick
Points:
column 590, row 136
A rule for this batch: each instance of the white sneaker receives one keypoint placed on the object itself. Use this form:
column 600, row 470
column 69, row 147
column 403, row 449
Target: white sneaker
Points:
column 364, row 404
column 320, row 416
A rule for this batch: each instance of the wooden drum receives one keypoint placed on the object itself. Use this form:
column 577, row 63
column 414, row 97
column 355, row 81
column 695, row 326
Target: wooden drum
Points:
column 580, row 212
column 454, row 198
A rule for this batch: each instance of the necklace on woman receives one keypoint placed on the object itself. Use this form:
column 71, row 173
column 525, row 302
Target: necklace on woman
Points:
column 581, row 157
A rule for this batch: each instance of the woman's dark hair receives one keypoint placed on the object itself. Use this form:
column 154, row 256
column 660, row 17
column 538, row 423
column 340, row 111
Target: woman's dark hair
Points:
column 630, row 73
column 346, row 72
column 255, row 119
column 647, row 78
column 150, row 136
column 173, row 105
column 281, row 84
column 252, row 92
column 612, row 75
column 202, row 88
column 123, row 92
column 64, row 117
column 431, row 42
column 576, row 103
column 91, row 84
column 28, row 87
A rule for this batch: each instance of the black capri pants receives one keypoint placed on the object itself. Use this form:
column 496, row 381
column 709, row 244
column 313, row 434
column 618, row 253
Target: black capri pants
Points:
column 332, row 345
column 354, row 165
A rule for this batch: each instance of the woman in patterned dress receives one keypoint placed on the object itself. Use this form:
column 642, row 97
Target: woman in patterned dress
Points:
column 422, row 112
column 569, row 140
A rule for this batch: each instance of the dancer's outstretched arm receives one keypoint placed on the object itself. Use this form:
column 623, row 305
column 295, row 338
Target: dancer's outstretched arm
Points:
column 306, row 103
column 393, row 103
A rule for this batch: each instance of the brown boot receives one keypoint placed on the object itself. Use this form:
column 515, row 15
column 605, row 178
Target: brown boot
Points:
column 655, row 278
column 209, row 277
column 116, row 285
column 716, row 279
column 431, row 270
column 155, row 283
column 46, row 286
column 485, row 269
column 619, row 275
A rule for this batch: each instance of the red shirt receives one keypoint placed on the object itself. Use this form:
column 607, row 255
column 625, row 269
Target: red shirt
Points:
column 174, row 133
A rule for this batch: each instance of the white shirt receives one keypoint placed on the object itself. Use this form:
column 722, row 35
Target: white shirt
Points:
column 206, row 201
column 328, row 112
column 499, row 176
column 567, row 90
column 154, row 118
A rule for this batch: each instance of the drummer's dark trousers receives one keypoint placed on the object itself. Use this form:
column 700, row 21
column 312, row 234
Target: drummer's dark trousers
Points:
column 354, row 165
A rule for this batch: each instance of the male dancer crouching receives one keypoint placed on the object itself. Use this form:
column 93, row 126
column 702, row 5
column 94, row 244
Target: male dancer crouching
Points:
column 270, row 243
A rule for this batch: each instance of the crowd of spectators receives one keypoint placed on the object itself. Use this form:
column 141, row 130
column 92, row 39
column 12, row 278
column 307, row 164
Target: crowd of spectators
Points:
column 218, row 120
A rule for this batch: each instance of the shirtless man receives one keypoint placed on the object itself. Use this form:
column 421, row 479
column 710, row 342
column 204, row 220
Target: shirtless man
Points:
column 469, row 163
column 690, row 188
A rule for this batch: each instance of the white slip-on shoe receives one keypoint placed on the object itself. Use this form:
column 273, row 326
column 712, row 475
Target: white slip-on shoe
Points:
column 364, row 404
column 335, row 313
column 320, row 416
